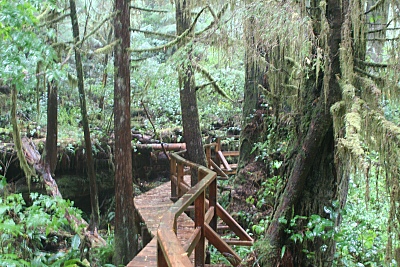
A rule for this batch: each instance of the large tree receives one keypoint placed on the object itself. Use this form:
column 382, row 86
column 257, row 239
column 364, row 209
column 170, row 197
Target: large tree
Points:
column 190, row 114
column 329, row 104
column 94, row 196
column 126, row 233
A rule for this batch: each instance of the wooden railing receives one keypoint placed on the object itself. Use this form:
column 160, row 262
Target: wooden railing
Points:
column 216, row 159
column 170, row 251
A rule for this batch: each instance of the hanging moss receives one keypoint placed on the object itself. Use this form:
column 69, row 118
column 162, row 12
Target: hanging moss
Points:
column 29, row 172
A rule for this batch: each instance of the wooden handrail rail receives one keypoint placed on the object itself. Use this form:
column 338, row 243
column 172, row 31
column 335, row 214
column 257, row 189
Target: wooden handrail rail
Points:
column 170, row 251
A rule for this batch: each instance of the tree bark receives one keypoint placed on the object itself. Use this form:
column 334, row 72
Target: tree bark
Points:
column 188, row 98
column 52, row 115
column 94, row 197
column 126, row 232
column 312, row 179
column 52, row 124
column 252, row 124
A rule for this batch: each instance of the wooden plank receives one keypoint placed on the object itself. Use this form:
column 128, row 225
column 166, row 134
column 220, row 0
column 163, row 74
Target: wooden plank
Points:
column 199, row 253
column 191, row 243
column 224, row 161
column 174, row 254
column 209, row 215
column 151, row 206
column 231, row 153
column 237, row 242
column 221, row 246
column 234, row 226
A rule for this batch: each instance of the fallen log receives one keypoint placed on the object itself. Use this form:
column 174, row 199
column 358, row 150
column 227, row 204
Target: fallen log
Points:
column 163, row 146
column 33, row 157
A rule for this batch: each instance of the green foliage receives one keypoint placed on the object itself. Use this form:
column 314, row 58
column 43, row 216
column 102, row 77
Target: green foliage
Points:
column 26, row 230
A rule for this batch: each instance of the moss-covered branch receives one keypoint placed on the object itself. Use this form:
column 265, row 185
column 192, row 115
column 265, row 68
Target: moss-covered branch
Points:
column 213, row 82
column 165, row 35
column 351, row 141
column 199, row 87
column 96, row 28
column 173, row 42
column 53, row 21
column 148, row 9
column 370, row 92
column 272, row 96
column 162, row 47
column 215, row 21
column 106, row 49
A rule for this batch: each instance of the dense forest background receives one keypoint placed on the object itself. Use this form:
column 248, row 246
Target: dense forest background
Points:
column 306, row 90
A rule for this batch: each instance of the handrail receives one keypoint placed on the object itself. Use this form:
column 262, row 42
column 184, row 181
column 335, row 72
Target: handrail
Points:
column 170, row 252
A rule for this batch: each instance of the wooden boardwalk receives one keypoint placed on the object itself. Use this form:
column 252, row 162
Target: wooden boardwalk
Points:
column 151, row 206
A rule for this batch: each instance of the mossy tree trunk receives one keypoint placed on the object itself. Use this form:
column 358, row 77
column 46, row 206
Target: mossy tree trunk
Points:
column 188, row 98
column 312, row 177
column 252, row 121
column 126, row 232
column 94, row 197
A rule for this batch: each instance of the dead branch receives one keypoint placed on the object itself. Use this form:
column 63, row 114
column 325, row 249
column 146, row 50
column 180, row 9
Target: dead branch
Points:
column 369, row 75
column 377, row 4
column 372, row 64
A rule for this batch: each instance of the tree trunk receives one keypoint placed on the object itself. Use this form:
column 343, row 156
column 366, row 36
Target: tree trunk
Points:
column 126, row 233
column 252, row 125
column 94, row 197
column 312, row 176
column 190, row 114
column 50, row 157
column 52, row 122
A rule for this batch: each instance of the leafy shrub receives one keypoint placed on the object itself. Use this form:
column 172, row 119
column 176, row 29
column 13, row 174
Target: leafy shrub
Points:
column 30, row 234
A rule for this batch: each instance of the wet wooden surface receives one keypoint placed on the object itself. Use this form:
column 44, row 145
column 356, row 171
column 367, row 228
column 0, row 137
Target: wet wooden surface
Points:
column 151, row 206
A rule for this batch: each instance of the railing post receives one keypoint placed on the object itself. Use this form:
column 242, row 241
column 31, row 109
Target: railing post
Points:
column 213, row 203
column 161, row 262
column 179, row 179
column 217, row 148
column 199, row 204
column 174, row 196
column 208, row 156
